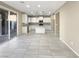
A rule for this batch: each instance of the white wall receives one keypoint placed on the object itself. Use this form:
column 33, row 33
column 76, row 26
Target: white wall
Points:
column 19, row 23
column 69, row 25
column 25, row 21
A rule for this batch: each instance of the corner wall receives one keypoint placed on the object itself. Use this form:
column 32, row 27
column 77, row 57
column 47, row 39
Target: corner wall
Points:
column 69, row 25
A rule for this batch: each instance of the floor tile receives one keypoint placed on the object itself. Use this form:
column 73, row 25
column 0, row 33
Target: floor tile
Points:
column 36, row 46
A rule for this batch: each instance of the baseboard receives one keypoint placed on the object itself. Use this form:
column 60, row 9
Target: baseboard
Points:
column 70, row 47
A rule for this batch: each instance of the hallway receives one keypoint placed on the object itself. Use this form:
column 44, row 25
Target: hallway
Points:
column 36, row 45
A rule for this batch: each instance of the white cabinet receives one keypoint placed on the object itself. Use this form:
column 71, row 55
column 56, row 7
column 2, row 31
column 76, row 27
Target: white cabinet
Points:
column 24, row 30
column 34, row 20
column 24, row 18
column 40, row 29
column 47, row 20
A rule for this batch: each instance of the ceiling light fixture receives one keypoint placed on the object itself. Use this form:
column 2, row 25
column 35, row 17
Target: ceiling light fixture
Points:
column 27, row 6
column 38, row 5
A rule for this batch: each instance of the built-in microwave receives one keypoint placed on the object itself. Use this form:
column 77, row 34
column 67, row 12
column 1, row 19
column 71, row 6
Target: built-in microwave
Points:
column 41, row 22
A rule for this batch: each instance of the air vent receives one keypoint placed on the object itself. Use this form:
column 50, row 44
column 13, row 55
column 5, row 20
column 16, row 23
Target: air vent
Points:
column 21, row 1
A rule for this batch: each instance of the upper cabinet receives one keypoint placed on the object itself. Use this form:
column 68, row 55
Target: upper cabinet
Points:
column 47, row 20
column 37, row 19
column 24, row 18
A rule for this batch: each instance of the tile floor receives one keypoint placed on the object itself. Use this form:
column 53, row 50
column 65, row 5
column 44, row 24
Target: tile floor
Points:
column 3, row 39
column 35, row 46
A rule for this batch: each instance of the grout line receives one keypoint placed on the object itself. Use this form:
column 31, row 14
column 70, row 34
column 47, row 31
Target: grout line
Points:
column 70, row 47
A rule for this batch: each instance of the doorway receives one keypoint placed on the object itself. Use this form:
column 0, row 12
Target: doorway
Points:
column 13, row 24
column 3, row 25
column 4, row 22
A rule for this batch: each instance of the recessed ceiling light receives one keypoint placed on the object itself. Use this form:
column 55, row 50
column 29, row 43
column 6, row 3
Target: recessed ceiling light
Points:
column 38, row 5
column 27, row 6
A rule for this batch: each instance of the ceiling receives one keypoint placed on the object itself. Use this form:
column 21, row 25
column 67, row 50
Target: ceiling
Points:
column 45, row 8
